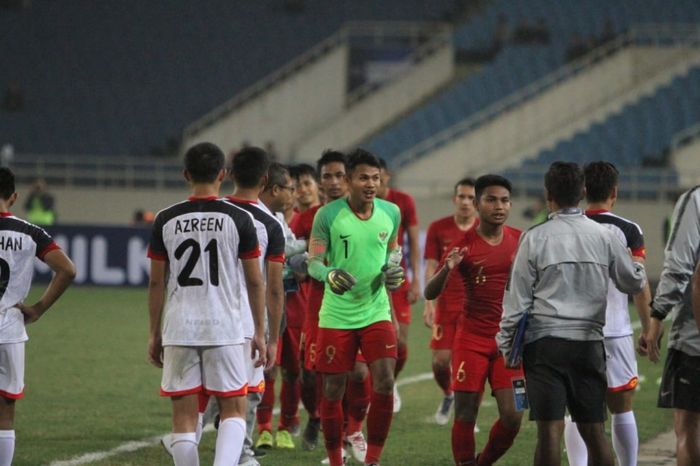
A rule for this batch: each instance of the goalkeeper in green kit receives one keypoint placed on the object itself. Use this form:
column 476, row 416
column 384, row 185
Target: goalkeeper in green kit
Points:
column 353, row 249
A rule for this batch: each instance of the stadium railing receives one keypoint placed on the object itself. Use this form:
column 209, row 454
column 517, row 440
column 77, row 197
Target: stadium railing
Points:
column 644, row 34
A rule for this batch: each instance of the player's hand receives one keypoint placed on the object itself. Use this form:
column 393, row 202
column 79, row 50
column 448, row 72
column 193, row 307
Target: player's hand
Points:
column 394, row 276
column 642, row 345
column 428, row 314
column 31, row 313
column 155, row 350
column 653, row 339
column 340, row 281
column 271, row 355
column 454, row 257
column 258, row 350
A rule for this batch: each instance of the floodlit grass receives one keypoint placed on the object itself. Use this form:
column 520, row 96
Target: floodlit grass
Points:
column 90, row 389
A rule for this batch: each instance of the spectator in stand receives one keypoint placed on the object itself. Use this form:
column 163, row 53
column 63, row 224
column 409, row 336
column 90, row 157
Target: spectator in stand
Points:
column 40, row 205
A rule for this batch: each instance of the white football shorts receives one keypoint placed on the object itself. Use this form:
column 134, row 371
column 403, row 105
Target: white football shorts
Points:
column 214, row 370
column 621, row 363
column 12, row 370
column 256, row 375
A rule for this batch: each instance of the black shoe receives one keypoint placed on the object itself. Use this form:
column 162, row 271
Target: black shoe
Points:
column 309, row 439
column 259, row 452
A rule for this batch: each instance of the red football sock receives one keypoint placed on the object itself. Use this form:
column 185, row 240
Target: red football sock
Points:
column 289, row 404
column 381, row 411
column 310, row 398
column 463, row 442
column 401, row 358
column 332, row 425
column 203, row 401
column 263, row 413
column 500, row 440
column 443, row 377
column 357, row 395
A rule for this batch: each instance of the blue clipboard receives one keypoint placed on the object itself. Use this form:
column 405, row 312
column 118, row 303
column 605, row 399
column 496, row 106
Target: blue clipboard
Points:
column 515, row 358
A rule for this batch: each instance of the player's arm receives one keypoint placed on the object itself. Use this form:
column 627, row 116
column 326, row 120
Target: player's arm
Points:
column 696, row 295
column 642, row 303
column 414, row 259
column 256, row 296
column 429, row 308
column 275, row 307
column 64, row 273
column 156, row 302
column 437, row 282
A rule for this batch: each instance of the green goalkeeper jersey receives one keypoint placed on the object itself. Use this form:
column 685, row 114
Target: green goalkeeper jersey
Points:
column 359, row 247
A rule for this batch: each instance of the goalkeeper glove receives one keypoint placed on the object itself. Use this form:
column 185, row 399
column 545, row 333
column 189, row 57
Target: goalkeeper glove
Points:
column 340, row 281
column 394, row 276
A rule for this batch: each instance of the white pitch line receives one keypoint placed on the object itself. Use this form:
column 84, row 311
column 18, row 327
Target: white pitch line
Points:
column 129, row 447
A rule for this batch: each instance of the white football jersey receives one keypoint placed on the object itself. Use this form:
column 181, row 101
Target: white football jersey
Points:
column 20, row 242
column 202, row 240
column 271, row 241
column 617, row 316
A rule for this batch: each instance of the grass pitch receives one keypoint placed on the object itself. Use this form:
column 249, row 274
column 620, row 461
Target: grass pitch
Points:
column 90, row 389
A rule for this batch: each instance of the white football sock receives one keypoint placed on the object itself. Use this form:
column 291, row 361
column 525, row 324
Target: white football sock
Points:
column 624, row 438
column 7, row 447
column 576, row 449
column 184, row 446
column 229, row 441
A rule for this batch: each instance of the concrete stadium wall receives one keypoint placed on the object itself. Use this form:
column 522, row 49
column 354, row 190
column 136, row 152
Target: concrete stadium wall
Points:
column 369, row 114
column 554, row 115
column 294, row 106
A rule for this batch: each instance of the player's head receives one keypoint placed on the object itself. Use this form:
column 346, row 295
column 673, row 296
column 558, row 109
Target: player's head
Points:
column 278, row 194
column 463, row 198
column 249, row 168
column 204, row 163
column 492, row 199
column 385, row 175
column 7, row 183
column 331, row 171
column 564, row 184
column 601, row 181
column 363, row 175
column 306, row 182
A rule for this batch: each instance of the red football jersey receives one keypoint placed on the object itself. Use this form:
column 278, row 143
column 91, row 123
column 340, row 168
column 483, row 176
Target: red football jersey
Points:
column 301, row 224
column 484, row 272
column 441, row 234
column 407, row 207
column 301, row 227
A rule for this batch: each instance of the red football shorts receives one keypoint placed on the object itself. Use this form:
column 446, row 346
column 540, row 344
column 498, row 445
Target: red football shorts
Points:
column 338, row 348
column 443, row 336
column 308, row 345
column 476, row 358
column 399, row 300
column 288, row 349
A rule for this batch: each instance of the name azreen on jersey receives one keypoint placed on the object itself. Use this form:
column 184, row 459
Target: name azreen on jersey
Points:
column 187, row 225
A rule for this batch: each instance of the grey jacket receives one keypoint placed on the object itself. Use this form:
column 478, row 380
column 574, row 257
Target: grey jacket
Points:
column 673, row 292
column 560, row 276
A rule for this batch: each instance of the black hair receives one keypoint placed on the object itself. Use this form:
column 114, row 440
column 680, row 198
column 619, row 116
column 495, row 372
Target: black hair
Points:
column 485, row 181
column 468, row 181
column 204, row 161
column 330, row 156
column 382, row 164
column 276, row 175
column 601, row 180
column 564, row 182
column 361, row 157
column 302, row 169
column 248, row 167
column 7, row 183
